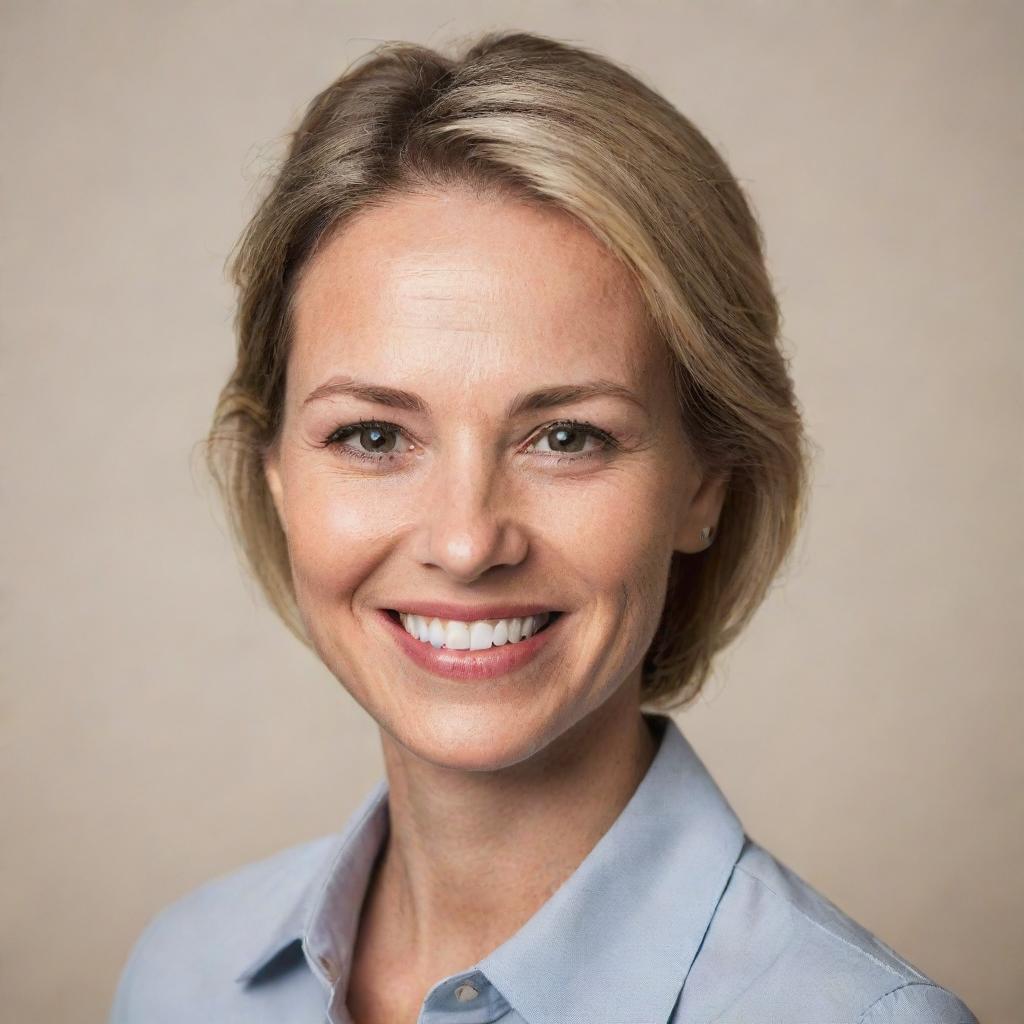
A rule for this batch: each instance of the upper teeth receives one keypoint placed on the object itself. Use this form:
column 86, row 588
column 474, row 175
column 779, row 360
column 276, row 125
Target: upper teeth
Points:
column 472, row 636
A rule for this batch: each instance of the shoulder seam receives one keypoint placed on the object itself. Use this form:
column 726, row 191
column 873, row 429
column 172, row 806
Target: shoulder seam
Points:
column 827, row 931
column 900, row 988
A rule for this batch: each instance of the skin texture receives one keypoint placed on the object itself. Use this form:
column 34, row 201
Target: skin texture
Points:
column 498, row 788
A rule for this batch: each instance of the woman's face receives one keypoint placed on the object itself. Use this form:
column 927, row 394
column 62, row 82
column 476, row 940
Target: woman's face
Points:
column 520, row 449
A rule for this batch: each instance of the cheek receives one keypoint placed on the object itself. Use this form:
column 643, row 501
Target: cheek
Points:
column 337, row 532
column 615, row 538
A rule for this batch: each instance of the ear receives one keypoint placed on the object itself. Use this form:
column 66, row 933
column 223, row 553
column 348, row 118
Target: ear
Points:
column 704, row 510
column 272, row 475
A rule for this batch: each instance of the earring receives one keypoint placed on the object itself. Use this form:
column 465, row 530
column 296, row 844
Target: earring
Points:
column 707, row 533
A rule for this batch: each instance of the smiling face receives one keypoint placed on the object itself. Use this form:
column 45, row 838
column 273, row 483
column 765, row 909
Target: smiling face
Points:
column 458, row 327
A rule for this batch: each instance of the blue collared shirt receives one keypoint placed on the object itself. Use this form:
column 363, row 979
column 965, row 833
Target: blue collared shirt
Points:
column 674, row 917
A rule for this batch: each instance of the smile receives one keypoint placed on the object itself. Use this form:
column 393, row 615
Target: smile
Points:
column 473, row 636
column 469, row 651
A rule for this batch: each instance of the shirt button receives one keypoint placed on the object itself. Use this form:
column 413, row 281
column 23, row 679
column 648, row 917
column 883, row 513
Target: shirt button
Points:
column 464, row 993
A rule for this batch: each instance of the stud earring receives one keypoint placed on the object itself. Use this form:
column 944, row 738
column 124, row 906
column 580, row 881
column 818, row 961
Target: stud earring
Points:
column 707, row 533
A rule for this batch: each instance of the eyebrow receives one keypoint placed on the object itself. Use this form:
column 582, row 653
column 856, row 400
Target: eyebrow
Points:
column 532, row 401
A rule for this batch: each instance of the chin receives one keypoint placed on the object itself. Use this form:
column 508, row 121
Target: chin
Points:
column 471, row 739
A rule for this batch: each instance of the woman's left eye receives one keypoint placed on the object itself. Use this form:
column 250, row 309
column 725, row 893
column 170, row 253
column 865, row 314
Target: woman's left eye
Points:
column 378, row 440
column 569, row 437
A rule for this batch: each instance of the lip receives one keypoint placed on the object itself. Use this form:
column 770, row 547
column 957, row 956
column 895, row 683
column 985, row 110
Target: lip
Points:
column 468, row 665
column 471, row 612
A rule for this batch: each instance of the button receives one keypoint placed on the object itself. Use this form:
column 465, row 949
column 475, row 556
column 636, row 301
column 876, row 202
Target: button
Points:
column 464, row 993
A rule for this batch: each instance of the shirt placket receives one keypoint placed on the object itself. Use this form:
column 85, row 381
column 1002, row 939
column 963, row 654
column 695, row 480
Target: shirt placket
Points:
column 464, row 998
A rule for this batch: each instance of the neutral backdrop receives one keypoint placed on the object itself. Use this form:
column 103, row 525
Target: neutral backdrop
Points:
column 160, row 727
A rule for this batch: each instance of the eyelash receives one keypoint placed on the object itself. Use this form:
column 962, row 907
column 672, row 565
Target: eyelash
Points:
column 340, row 434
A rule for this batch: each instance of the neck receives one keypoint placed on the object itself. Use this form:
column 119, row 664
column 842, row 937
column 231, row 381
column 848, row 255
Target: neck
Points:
column 471, row 856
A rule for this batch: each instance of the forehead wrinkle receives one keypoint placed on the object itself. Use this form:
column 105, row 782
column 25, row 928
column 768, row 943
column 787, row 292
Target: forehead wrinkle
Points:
column 456, row 299
column 440, row 282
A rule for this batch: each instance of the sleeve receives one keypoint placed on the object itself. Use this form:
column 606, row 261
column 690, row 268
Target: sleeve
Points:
column 918, row 1003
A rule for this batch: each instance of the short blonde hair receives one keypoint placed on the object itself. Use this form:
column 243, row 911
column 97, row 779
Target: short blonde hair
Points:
column 557, row 125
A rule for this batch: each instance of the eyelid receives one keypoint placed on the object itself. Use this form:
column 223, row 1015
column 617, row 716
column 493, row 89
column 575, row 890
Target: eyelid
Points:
column 344, row 431
column 606, row 439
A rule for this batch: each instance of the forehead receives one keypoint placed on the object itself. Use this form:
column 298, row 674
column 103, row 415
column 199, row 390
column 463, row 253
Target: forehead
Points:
column 485, row 284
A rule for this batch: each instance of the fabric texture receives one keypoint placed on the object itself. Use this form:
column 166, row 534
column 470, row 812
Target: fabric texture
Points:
column 674, row 917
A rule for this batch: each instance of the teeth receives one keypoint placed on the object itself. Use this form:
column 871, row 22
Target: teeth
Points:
column 472, row 636
column 435, row 631
column 456, row 636
column 481, row 636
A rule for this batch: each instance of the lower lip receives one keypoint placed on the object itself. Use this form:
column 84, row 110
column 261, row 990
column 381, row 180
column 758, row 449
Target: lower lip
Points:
column 467, row 665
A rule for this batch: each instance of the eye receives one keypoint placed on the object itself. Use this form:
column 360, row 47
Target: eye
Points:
column 568, row 438
column 377, row 440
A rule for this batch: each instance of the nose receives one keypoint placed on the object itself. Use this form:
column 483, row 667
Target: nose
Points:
column 469, row 518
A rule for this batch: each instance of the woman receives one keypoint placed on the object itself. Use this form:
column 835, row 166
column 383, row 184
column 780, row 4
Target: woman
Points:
column 511, row 444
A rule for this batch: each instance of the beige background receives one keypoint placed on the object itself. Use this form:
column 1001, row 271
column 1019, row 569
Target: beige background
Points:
column 160, row 727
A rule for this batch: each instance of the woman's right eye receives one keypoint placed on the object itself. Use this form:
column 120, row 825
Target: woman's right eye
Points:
column 376, row 439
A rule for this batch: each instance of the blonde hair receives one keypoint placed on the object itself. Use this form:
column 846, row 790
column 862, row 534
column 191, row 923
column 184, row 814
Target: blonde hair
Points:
column 552, row 124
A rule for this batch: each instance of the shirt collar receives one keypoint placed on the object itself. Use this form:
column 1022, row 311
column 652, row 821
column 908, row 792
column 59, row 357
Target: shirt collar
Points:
column 330, row 900
column 615, row 942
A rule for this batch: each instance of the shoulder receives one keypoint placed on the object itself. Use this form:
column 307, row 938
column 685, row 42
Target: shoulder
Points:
column 794, row 954
column 190, row 952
